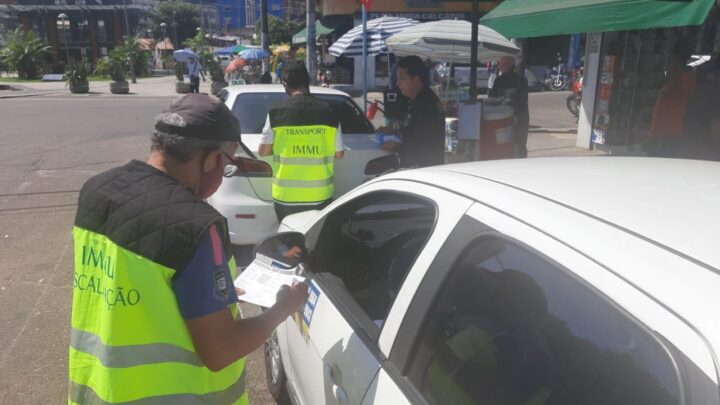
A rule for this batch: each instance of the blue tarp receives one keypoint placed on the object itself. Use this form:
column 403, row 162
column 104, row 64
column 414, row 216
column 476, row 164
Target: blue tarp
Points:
column 230, row 50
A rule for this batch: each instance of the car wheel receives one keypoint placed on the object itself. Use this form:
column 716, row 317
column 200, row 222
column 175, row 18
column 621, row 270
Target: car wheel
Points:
column 275, row 372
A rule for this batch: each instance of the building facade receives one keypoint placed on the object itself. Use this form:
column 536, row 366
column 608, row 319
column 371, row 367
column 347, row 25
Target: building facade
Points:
column 91, row 29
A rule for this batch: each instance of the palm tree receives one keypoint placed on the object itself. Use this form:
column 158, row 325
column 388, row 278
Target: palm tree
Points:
column 25, row 54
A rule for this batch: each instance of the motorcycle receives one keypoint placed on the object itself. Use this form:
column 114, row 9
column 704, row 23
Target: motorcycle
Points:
column 574, row 99
column 556, row 78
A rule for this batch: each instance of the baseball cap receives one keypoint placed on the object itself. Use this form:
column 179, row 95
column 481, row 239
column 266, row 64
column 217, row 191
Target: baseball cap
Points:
column 199, row 116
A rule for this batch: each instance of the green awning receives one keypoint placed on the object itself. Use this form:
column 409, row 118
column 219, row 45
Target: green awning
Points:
column 325, row 25
column 539, row 18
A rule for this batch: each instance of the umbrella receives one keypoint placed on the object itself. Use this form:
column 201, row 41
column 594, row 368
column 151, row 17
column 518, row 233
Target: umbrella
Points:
column 449, row 40
column 254, row 53
column 378, row 30
column 184, row 54
column 235, row 64
column 280, row 49
column 231, row 50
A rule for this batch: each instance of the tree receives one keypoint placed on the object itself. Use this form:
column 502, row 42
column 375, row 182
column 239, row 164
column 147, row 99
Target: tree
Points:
column 25, row 54
column 280, row 31
column 121, row 54
column 178, row 15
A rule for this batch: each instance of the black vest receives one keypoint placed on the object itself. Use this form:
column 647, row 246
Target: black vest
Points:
column 147, row 212
column 303, row 110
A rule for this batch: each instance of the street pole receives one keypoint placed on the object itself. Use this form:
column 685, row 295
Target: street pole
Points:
column 473, row 52
column 265, row 32
column 310, row 49
column 175, row 31
column 130, row 44
column 364, row 56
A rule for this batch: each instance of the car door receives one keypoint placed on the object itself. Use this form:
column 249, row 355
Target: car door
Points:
column 509, row 314
column 360, row 254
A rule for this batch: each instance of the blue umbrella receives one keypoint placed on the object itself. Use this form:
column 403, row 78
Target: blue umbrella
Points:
column 254, row 53
column 184, row 54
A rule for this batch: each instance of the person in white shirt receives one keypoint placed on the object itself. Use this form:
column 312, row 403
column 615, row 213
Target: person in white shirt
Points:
column 194, row 69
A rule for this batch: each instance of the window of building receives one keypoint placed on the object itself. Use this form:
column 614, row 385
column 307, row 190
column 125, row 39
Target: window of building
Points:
column 510, row 327
column 365, row 249
column 101, row 32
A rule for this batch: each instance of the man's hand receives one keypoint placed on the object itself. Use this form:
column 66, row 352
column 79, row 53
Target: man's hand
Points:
column 291, row 299
column 387, row 131
column 295, row 252
column 389, row 145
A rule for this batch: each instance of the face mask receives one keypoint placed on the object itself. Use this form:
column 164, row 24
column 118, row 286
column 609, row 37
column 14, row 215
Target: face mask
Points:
column 210, row 181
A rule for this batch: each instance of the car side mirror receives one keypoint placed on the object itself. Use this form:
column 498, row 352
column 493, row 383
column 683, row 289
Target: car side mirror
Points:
column 382, row 165
column 246, row 167
column 287, row 248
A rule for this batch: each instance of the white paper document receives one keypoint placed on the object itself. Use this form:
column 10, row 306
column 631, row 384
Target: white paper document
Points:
column 262, row 282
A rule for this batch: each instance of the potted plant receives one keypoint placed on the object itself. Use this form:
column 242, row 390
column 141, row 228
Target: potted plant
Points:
column 218, row 78
column 118, row 85
column 76, row 76
column 180, row 86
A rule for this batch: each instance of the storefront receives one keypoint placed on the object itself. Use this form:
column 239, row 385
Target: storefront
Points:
column 630, row 106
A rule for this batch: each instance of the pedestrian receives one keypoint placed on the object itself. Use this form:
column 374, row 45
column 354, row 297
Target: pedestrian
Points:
column 194, row 69
column 266, row 78
column 511, row 88
column 154, row 313
column 423, row 135
column 303, row 135
column 279, row 69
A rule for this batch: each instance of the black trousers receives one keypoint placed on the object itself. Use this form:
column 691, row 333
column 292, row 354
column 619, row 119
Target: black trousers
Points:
column 282, row 210
column 195, row 84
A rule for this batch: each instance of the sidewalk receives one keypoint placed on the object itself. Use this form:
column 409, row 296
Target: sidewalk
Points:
column 146, row 86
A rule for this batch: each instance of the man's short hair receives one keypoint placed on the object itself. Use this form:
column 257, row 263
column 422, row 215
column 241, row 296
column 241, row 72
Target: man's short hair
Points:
column 183, row 148
column 295, row 75
column 415, row 67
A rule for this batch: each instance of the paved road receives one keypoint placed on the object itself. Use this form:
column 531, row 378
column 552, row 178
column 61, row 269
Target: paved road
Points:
column 48, row 147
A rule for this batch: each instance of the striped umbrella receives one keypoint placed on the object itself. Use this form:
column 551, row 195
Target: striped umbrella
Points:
column 378, row 30
column 449, row 40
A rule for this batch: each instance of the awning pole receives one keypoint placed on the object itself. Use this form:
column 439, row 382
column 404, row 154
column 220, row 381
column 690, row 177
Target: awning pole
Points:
column 364, row 56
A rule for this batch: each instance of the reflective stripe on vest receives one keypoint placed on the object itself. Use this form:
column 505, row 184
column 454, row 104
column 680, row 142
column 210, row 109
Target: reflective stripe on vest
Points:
column 129, row 342
column 304, row 163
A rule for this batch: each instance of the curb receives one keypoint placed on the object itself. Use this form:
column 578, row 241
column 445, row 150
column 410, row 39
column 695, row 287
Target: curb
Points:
column 29, row 95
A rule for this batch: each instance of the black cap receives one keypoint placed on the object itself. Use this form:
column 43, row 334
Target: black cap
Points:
column 199, row 116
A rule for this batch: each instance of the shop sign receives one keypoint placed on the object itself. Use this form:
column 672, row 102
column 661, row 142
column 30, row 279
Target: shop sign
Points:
column 422, row 17
column 602, row 112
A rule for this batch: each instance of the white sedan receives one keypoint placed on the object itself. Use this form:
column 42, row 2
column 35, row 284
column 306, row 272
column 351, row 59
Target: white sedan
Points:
column 543, row 281
column 246, row 201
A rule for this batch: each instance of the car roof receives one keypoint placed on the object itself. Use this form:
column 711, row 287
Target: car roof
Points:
column 672, row 202
column 234, row 90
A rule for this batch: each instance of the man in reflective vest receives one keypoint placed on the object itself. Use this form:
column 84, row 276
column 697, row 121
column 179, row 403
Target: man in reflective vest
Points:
column 154, row 316
column 303, row 136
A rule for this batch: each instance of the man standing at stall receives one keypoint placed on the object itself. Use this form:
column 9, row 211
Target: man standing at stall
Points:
column 511, row 88
column 423, row 138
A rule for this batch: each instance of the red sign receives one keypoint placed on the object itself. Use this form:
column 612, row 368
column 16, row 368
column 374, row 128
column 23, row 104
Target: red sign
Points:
column 367, row 4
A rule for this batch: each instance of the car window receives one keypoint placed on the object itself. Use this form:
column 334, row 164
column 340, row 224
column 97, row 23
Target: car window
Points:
column 251, row 110
column 369, row 245
column 510, row 327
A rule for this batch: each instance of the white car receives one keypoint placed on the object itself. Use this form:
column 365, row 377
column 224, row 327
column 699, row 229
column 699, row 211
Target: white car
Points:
column 542, row 281
column 247, row 202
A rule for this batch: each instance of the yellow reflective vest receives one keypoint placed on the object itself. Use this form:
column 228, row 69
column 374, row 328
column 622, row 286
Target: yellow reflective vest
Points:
column 129, row 341
column 303, row 150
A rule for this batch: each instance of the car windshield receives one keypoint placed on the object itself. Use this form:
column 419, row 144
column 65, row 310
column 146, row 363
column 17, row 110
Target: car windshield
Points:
column 251, row 109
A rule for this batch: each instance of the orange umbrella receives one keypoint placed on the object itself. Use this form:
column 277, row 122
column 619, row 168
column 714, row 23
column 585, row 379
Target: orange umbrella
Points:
column 235, row 64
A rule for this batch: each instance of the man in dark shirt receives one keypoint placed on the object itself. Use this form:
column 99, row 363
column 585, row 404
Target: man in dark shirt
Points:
column 511, row 89
column 423, row 136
